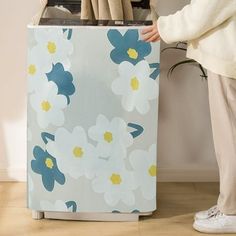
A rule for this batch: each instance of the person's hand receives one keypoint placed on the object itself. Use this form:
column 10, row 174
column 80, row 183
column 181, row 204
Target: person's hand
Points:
column 150, row 33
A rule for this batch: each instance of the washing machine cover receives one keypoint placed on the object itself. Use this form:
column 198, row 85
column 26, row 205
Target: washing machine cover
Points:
column 92, row 119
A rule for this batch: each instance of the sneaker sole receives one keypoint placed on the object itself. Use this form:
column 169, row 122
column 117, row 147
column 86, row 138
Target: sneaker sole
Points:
column 214, row 231
column 198, row 218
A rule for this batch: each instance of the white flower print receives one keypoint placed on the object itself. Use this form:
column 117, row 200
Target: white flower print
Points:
column 75, row 156
column 53, row 47
column 135, row 86
column 144, row 165
column 112, row 136
column 116, row 183
column 48, row 104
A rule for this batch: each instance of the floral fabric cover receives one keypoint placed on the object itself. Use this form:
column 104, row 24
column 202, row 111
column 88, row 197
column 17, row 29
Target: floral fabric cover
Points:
column 92, row 119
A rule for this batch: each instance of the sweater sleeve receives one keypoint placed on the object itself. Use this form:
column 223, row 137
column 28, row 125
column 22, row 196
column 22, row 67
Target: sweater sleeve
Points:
column 195, row 19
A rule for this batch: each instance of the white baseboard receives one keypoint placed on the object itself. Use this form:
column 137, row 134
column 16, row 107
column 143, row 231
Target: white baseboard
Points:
column 187, row 175
column 13, row 174
column 163, row 175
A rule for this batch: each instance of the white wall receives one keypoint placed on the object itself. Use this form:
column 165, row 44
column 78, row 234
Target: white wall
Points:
column 14, row 16
column 185, row 143
column 185, row 149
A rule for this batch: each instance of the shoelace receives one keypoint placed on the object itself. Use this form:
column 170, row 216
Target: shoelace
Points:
column 212, row 210
column 218, row 213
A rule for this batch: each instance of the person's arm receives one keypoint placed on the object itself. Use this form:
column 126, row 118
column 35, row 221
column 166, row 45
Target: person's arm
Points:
column 193, row 20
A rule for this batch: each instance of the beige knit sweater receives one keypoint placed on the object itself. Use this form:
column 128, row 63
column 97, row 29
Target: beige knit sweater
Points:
column 209, row 26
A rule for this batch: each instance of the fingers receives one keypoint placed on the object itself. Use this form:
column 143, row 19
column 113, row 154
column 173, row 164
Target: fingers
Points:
column 147, row 29
column 154, row 38
column 150, row 34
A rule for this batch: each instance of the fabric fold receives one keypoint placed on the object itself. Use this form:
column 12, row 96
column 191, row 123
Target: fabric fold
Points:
column 106, row 10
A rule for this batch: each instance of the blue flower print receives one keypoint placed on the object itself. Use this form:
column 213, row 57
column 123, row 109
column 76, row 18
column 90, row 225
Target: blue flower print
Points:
column 69, row 31
column 134, row 211
column 47, row 136
column 128, row 47
column 71, row 205
column 46, row 166
column 138, row 129
column 63, row 80
column 156, row 71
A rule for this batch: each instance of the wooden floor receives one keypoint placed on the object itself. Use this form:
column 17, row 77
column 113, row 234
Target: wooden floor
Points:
column 177, row 203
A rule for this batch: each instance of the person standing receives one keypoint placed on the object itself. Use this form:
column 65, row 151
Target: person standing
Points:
column 209, row 27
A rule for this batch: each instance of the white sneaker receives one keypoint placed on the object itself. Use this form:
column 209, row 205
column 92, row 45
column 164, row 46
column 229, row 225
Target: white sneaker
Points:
column 201, row 215
column 218, row 223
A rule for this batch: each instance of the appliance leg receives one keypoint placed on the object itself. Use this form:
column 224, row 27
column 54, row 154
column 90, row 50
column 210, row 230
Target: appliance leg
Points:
column 37, row 215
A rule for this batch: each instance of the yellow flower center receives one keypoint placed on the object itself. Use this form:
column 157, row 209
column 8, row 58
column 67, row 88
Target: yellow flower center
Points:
column 152, row 170
column 115, row 179
column 49, row 163
column 108, row 136
column 78, row 152
column 46, row 106
column 134, row 83
column 51, row 47
column 133, row 54
column 32, row 69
